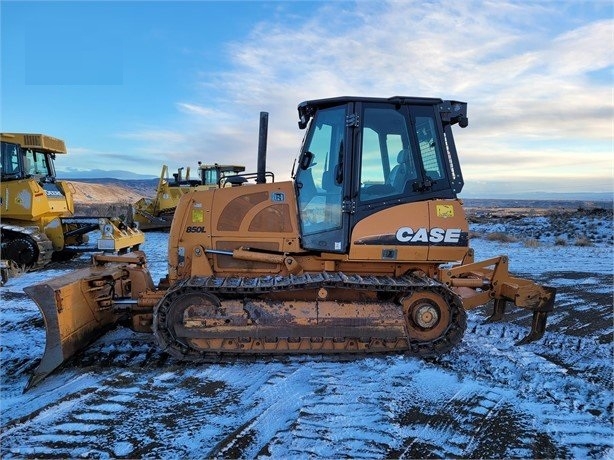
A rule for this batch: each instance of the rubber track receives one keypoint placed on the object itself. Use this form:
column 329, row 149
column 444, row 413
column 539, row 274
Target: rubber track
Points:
column 257, row 286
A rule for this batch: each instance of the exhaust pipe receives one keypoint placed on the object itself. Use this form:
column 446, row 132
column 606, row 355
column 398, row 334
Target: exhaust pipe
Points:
column 262, row 141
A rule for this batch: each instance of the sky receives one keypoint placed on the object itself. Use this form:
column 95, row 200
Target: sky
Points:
column 131, row 86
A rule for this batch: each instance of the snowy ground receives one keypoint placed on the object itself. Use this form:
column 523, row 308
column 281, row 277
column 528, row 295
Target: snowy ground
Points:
column 487, row 398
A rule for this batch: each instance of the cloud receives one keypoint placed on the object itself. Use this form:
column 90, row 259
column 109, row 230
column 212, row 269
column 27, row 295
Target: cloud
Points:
column 153, row 135
column 195, row 109
column 526, row 68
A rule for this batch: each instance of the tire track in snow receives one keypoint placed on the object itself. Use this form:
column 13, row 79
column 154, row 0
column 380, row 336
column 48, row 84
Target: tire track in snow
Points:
column 567, row 411
column 577, row 356
column 348, row 414
column 127, row 414
column 456, row 420
column 279, row 400
column 69, row 428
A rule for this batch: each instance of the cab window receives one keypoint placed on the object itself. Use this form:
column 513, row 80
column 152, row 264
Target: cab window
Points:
column 10, row 159
column 211, row 176
column 320, row 175
column 387, row 162
column 430, row 150
column 35, row 163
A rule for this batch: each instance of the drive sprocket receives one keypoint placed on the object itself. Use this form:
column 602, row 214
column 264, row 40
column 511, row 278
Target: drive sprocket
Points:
column 22, row 251
column 435, row 319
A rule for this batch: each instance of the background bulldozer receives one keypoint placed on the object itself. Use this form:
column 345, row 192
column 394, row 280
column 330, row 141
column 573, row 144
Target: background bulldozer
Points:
column 365, row 250
column 37, row 210
column 157, row 213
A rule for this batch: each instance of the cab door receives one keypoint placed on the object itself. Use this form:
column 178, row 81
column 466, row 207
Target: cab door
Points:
column 385, row 160
column 323, row 182
column 399, row 157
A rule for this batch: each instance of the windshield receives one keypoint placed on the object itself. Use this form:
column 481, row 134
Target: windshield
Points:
column 387, row 161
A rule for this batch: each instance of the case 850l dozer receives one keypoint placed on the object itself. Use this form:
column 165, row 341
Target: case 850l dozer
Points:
column 365, row 251
column 37, row 211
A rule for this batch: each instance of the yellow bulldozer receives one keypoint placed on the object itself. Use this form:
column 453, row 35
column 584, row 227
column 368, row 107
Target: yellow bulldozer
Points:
column 37, row 211
column 365, row 250
column 157, row 213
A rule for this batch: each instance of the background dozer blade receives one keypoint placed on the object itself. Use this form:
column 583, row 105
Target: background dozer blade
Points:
column 77, row 309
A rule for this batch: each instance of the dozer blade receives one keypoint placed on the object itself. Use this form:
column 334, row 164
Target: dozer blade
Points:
column 77, row 309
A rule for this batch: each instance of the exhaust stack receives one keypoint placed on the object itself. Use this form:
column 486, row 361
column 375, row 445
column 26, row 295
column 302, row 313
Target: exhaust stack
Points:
column 262, row 141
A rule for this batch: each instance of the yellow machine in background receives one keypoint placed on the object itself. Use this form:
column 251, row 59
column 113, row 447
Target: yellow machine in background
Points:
column 37, row 211
column 157, row 213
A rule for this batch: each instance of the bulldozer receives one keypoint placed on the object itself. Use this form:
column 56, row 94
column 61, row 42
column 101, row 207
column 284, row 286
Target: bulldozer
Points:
column 365, row 250
column 37, row 211
column 157, row 213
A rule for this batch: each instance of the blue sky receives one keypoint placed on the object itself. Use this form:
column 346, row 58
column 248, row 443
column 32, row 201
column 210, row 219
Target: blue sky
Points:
column 134, row 85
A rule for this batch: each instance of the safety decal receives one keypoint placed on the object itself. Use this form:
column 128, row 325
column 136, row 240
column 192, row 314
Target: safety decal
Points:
column 198, row 215
column 444, row 210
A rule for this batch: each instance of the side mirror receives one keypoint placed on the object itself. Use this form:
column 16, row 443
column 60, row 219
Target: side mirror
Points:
column 306, row 159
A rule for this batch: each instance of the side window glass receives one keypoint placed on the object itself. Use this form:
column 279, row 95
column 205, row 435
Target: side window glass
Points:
column 35, row 163
column 29, row 164
column 430, row 150
column 373, row 171
column 386, row 162
column 211, row 177
column 403, row 168
column 320, row 192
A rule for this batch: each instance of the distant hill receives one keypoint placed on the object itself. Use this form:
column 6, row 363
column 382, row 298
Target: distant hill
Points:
column 141, row 187
column 106, row 190
column 555, row 196
column 146, row 184
column 89, row 193
column 90, row 174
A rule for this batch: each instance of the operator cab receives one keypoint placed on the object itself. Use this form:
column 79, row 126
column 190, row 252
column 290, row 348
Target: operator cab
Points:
column 360, row 155
column 23, row 160
column 215, row 174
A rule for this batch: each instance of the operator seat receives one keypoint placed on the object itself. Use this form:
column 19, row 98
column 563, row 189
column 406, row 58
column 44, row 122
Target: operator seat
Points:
column 399, row 174
column 27, row 166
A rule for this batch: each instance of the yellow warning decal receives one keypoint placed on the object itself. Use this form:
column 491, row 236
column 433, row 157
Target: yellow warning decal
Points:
column 445, row 210
column 198, row 215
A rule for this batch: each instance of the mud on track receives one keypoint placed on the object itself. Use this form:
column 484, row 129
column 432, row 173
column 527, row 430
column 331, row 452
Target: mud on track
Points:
column 487, row 398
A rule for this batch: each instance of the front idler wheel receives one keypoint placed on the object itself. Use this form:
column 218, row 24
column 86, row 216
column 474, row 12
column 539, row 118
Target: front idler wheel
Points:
column 178, row 313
